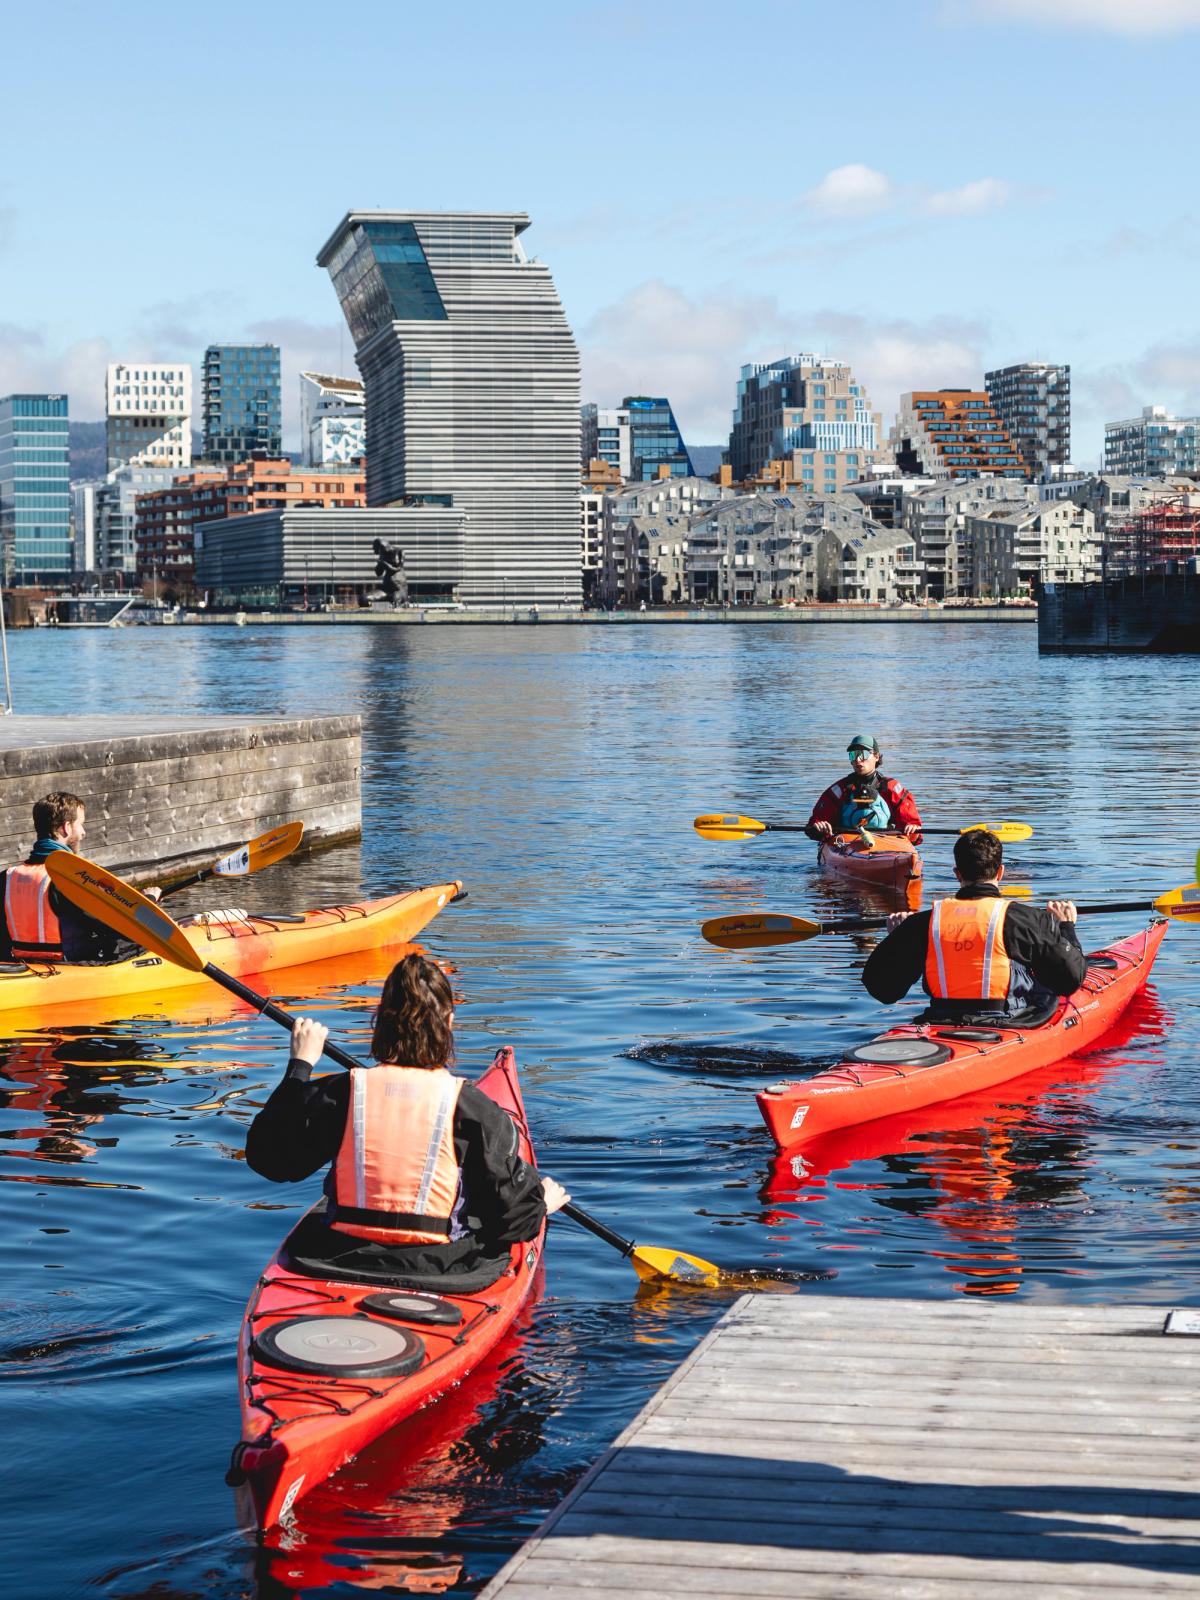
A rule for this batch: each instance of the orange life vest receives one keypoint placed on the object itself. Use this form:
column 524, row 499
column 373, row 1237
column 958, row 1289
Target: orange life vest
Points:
column 396, row 1176
column 33, row 928
column 966, row 958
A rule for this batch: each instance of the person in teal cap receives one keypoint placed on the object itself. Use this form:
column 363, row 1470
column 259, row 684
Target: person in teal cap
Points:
column 865, row 799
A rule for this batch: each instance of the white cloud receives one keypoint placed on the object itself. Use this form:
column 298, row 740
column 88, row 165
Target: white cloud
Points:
column 304, row 347
column 971, row 199
column 850, row 191
column 1130, row 17
column 29, row 365
column 658, row 340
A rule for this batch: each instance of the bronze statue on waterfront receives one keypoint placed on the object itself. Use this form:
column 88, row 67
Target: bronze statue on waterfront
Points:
column 389, row 569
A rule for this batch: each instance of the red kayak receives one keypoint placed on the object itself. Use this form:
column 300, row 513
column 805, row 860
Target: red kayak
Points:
column 919, row 1064
column 888, row 860
column 328, row 1365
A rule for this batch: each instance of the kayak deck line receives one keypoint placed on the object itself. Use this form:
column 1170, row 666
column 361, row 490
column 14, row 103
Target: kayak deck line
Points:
column 818, row 1444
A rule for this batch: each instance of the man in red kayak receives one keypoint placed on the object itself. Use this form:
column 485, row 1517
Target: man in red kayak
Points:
column 425, row 1171
column 40, row 924
column 865, row 799
column 978, row 954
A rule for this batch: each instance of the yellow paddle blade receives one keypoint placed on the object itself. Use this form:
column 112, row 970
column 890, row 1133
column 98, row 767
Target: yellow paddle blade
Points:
column 652, row 1264
column 264, row 851
column 751, row 932
column 110, row 900
column 1016, row 891
column 1183, row 903
column 716, row 826
column 1006, row 832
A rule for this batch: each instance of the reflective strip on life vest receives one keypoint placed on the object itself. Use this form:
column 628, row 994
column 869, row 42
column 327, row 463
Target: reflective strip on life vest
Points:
column 396, row 1175
column 33, row 928
column 966, row 958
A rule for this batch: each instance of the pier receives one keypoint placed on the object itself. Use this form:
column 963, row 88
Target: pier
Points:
column 167, row 793
column 820, row 1445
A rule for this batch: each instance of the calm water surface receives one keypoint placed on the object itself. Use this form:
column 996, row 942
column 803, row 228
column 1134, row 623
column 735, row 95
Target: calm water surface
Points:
column 557, row 772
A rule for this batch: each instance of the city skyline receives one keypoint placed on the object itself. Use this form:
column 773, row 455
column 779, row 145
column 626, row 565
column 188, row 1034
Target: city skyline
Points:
column 985, row 205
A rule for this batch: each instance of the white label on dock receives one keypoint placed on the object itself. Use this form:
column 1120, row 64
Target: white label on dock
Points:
column 1183, row 1322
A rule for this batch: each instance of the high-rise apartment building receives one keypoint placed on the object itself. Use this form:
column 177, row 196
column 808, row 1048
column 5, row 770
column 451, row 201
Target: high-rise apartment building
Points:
column 1154, row 443
column 606, row 436
column 952, row 433
column 472, row 391
column 333, row 424
column 35, row 488
column 799, row 403
column 1033, row 402
column 243, row 408
column 149, row 410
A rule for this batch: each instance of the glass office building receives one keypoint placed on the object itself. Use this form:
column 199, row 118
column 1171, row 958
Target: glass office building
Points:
column 654, row 438
column 35, row 488
column 243, row 410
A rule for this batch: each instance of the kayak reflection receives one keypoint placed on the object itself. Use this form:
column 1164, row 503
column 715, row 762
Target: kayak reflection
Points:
column 980, row 1165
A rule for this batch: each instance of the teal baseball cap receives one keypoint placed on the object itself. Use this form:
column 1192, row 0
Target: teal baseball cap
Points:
column 866, row 741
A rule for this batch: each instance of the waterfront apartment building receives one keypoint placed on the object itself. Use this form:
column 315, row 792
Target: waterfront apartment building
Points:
column 148, row 408
column 116, row 517
column 1153, row 444
column 333, row 420
column 935, row 518
column 35, row 489
column 242, row 399
column 801, row 403
column 1033, row 403
column 168, row 516
column 952, row 433
column 1015, row 547
column 471, row 375
column 640, row 437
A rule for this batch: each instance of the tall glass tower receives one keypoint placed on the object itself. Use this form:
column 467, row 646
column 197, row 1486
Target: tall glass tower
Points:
column 35, row 488
column 242, row 402
column 472, row 390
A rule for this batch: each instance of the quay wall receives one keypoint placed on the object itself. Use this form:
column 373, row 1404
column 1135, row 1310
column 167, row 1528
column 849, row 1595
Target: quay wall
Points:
column 166, row 794
column 557, row 616
column 1151, row 612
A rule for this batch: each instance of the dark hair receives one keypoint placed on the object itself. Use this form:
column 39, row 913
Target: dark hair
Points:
column 54, row 811
column 978, row 855
column 412, row 1024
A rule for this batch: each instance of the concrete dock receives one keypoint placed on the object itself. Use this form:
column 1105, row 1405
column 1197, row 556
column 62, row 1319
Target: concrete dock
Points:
column 173, row 791
column 964, row 1450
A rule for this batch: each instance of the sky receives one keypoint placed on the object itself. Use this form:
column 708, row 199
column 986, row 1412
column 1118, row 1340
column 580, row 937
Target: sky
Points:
column 925, row 190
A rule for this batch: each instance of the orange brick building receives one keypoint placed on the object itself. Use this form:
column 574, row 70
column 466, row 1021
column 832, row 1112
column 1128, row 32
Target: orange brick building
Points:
column 953, row 433
column 168, row 518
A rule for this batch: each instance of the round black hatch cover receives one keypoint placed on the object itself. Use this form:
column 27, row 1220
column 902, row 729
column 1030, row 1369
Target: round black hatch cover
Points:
column 905, row 1052
column 407, row 1307
column 345, row 1347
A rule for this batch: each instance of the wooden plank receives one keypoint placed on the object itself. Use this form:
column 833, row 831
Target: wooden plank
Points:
column 870, row 1449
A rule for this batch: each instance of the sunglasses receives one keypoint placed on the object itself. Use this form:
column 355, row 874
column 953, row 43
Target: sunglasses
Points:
column 857, row 753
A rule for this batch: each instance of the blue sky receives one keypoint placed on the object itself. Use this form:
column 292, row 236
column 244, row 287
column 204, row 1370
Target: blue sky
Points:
column 924, row 189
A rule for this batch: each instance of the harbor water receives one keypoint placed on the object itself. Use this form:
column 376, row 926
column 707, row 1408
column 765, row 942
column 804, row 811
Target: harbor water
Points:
column 557, row 772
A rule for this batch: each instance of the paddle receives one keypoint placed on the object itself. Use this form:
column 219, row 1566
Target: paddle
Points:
column 716, row 826
column 108, row 899
column 264, row 851
column 755, row 931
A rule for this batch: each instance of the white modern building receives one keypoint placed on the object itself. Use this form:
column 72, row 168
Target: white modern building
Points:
column 471, row 376
column 333, row 420
column 148, row 407
column 607, row 436
column 1154, row 443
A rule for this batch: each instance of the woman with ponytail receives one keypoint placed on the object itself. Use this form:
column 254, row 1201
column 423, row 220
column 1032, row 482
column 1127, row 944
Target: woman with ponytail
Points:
column 425, row 1171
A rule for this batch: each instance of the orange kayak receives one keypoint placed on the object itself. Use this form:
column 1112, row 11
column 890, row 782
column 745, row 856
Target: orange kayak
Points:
column 240, row 945
column 919, row 1064
column 327, row 1366
column 887, row 860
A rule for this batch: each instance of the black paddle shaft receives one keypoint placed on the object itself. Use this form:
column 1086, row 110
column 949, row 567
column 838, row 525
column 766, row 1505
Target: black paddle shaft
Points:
column 186, row 883
column 576, row 1214
column 869, row 924
column 268, row 1008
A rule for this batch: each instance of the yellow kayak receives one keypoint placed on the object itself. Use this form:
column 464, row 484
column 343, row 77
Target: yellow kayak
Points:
column 239, row 945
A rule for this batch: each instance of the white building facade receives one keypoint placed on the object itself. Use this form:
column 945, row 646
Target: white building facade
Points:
column 148, row 409
column 333, row 420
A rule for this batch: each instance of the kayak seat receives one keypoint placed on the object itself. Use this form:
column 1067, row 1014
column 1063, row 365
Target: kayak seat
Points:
column 1029, row 1017
column 318, row 1251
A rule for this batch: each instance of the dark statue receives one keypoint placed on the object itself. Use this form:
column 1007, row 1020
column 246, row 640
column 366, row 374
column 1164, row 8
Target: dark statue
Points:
column 389, row 569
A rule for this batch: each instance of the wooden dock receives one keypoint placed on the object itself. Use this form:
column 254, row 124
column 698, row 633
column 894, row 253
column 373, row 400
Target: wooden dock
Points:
column 896, row 1450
